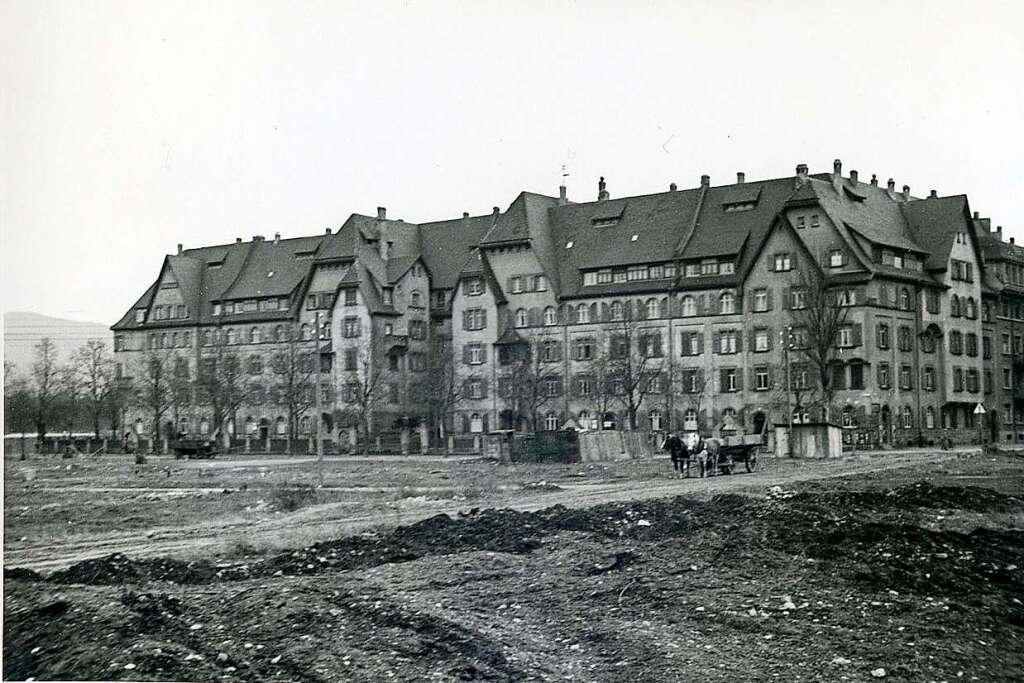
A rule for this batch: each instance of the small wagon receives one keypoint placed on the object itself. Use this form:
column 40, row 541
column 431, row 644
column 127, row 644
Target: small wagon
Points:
column 738, row 449
column 190, row 449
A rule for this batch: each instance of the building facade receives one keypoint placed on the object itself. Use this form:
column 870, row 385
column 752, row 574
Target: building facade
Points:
column 699, row 309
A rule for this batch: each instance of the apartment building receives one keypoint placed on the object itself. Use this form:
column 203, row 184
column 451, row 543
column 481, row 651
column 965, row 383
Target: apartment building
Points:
column 684, row 309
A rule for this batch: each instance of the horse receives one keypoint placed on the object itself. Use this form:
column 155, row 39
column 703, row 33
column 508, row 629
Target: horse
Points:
column 708, row 458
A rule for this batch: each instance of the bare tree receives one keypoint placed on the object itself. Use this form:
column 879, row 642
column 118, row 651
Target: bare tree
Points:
column 69, row 399
column 594, row 377
column 531, row 377
column 441, row 388
column 220, row 379
column 636, row 357
column 18, row 408
column 364, row 395
column 696, row 388
column 45, row 385
column 296, row 367
column 820, row 319
column 95, row 369
column 153, row 386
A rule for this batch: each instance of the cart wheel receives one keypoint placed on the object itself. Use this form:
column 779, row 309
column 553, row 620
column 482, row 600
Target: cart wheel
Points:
column 751, row 461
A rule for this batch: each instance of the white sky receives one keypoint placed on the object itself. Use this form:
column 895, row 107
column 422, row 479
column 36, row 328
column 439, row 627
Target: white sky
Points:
column 128, row 127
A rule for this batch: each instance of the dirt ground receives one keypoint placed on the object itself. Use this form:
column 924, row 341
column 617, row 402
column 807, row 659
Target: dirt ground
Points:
column 899, row 567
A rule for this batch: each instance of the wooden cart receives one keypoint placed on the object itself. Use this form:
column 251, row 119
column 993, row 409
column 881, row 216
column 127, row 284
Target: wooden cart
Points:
column 738, row 449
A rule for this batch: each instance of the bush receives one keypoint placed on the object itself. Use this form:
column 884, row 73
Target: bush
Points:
column 289, row 497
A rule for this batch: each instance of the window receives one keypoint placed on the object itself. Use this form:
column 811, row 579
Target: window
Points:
column 475, row 354
column 958, row 379
column 690, row 420
column 727, row 303
column 883, row 336
column 689, row 306
column 971, row 308
column 729, row 380
column 726, row 268
column 350, row 327
column 616, row 310
column 761, row 382
column 584, row 386
column 691, row 343
column 904, row 299
column 255, row 336
column 550, row 317
column 928, row 378
column 956, row 342
column 972, row 380
column 835, row 258
column 954, row 306
column 582, row 313
column 416, row 299
column 231, row 337
column 799, row 298
column 928, row 343
column 583, row 349
column 255, row 365
column 847, row 297
column 692, row 381
column 856, row 375
column 650, row 345
column 929, row 418
column 884, row 380
column 550, row 351
column 552, row 385
column 516, row 284
column 521, row 318
column 814, row 220
column 474, row 286
column 351, row 359
column 906, row 377
column 838, row 376
column 986, row 347
column 761, row 340
column 971, row 344
column 476, row 388
column 653, row 309
column 760, row 300
column 551, row 422
column 727, row 342
column 845, row 336
column 140, row 314
column 801, row 221
column 350, row 297
column 906, row 338
column 932, row 300
column 279, row 333
column 474, row 319
column 540, row 283
column 636, row 273
column 783, row 262
column 908, row 417
column 709, row 268
column 655, row 418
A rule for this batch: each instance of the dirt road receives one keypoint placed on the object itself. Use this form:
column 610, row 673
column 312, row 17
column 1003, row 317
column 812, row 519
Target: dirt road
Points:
column 330, row 520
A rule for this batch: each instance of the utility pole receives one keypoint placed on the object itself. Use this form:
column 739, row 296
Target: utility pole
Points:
column 319, row 408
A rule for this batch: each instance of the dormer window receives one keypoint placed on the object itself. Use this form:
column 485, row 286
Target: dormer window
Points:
column 800, row 222
column 568, row 245
column 216, row 309
column 814, row 220
column 140, row 315
column 388, row 296
column 605, row 222
column 474, row 286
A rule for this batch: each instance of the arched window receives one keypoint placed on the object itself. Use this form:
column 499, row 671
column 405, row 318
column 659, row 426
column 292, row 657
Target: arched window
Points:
column 279, row 333
column 415, row 299
column 652, row 308
column 522, row 319
column 230, row 337
column 306, row 332
column 281, row 426
column 655, row 417
column 908, row 417
column 689, row 306
column 476, row 423
column 954, row 306
column 254, row 335
column 616, row 310
column 690, row 420
column 182, row 425
column 971, row 308
column 727, row 303
column 549, row 316
column 551, row 422
column 929, row 418
column 583, row 313
column 304, row 424
column 904, row 299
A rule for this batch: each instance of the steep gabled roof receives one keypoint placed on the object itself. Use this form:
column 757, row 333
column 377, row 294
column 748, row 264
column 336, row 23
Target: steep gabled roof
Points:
column 273, row 269
column 446, row 246
column 935, row 222
column 867, row 209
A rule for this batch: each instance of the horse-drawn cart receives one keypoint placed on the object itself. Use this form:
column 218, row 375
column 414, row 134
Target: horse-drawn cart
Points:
column 738, row 449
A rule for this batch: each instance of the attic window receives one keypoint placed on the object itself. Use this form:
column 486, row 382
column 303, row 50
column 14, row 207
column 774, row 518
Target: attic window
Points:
column 634, row 238
column 740, row 206
column 305, row 254
column 568, row 245
column 270, row 273
column 605, row 222
column 855, row 195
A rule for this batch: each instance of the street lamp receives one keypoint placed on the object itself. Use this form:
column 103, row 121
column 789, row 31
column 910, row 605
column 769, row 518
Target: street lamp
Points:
column 317, row 399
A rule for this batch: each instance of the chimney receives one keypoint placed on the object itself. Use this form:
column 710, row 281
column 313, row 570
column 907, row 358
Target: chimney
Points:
column 837, row 168
column 853, row 176
column 741, row 177
column 999, row 232
column 497, row 211
column 602, row 190
column 180, row 249
column 874, row 180
column 382, row 213
column 327, row 232
column 801, row 174
column 563, row 197
column 933, row 195
column 977, row 215
column 891, row 184
column 1012, row 241
column 705, row 180
column 465, row 214
column 238, row 240
column 986, row 224
column 672, row 187
column 906, row 193
column 258, row 238
column 277, row 238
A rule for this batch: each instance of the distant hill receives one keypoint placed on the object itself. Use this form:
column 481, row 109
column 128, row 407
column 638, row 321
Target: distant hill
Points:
column 22, row 331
